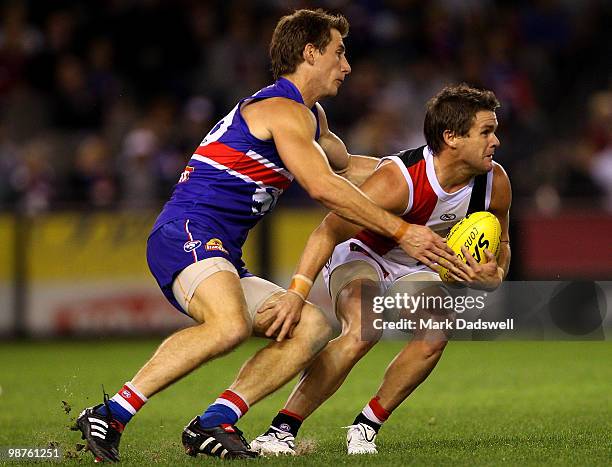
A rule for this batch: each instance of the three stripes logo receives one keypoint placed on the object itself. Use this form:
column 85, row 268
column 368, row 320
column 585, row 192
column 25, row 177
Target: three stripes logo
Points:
column 99, row 428
column 210, row 445
column 214, row 449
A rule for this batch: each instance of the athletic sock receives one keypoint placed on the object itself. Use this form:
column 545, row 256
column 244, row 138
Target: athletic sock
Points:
column 286, row 421
column 373, row 415
column 123, row 405
column 226, row 410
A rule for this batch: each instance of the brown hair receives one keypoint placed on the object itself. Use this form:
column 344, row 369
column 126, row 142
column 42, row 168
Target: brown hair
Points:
column 454, row 108
column 293, row 32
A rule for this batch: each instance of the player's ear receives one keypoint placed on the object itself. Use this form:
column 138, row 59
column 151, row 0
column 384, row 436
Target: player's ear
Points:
column 309, row 53
column 450, row 138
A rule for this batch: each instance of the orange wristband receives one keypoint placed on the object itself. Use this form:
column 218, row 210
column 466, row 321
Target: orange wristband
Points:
column 401, row 231
column 300, row 286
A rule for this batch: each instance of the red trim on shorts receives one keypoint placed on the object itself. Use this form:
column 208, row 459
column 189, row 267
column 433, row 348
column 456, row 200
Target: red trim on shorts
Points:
column 195, row 256
column 377, row 243
column 356, row 247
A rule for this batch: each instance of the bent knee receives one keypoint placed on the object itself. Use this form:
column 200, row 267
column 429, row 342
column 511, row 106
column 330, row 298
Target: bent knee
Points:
column 356, row 345
column 314, row 326
column 431, row 348
column 233, row 333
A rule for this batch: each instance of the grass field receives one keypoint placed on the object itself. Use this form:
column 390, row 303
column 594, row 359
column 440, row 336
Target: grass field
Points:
column 493, row 403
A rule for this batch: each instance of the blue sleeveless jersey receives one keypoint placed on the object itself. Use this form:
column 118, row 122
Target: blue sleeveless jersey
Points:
column 230, row 183
column 233, row 179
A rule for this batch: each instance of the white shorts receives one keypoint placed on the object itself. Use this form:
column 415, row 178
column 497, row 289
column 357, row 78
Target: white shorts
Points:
column 256, row 290
column 368, row 265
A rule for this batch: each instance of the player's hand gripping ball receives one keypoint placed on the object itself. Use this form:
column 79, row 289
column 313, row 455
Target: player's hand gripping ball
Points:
column 477, row 231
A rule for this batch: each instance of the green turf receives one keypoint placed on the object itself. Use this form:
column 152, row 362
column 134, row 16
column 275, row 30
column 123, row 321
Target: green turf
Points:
column 491, row 403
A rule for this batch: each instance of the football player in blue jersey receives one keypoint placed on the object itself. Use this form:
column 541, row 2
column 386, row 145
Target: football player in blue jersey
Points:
column 194, row 251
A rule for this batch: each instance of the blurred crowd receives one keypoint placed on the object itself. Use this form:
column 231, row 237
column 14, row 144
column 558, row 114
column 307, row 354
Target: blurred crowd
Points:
column 102, row 103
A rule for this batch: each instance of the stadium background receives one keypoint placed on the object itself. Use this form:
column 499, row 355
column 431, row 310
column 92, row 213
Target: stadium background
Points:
column 102, row 103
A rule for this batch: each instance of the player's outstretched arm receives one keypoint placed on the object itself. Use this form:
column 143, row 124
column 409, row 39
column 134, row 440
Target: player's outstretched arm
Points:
column 387, row 188
column 355, row 169
column 293, row 128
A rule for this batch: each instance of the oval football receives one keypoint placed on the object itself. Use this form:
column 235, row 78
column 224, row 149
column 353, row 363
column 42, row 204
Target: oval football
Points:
column 478, row 231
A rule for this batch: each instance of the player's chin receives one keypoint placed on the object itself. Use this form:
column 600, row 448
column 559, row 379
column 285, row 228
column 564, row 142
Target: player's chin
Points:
column 333, row 90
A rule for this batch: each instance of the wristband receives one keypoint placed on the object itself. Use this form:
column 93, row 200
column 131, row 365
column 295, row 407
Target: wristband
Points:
column 300, row 286
column 401, row 231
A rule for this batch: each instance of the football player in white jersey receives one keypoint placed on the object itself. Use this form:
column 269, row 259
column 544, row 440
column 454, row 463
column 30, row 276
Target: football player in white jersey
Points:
column 436, row 185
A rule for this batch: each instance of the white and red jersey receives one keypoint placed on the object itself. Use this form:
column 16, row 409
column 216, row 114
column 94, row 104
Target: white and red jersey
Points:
column 428, row 203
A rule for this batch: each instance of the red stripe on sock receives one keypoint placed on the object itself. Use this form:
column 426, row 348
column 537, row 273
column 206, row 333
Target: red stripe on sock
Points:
column 378, row 409
column 131, row 397
column 236, row 400
column 117, row 425
column 292, row 414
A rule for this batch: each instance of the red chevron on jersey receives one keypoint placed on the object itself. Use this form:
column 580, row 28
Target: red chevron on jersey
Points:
column 256, row 170
column 428, row 204
column 425, row 198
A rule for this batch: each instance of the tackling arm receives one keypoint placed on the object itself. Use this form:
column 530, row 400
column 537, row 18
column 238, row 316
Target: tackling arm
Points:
column 354, row 168
column 386, row 187
column 293, row 128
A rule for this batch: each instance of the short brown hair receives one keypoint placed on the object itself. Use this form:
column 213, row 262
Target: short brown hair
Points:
column 454, row 108
column 293, row 32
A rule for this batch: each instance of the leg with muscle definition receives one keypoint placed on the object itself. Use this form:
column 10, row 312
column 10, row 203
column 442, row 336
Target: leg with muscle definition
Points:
column 279, row 362
column 330, row 368
column 219, row 307
column 407, row 370
column 274, row 365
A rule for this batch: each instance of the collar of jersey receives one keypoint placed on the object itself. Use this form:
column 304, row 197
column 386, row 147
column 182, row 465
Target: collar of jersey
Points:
column 435, row 184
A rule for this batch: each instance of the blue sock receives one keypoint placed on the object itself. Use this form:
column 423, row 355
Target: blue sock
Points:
column 217, row 414
column 123, row 405
column 227, row 409
column 116, row 412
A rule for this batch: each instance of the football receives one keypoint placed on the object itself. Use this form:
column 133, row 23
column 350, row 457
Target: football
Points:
column 477, row 231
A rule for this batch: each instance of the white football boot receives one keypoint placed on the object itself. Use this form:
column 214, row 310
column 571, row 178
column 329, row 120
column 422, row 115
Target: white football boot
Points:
column 274, row 443
column 360, row 439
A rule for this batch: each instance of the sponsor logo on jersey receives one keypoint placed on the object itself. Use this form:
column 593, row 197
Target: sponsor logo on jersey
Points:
column 185, row 174
column 448, row 217
column 214, row 244
column 191, row 245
